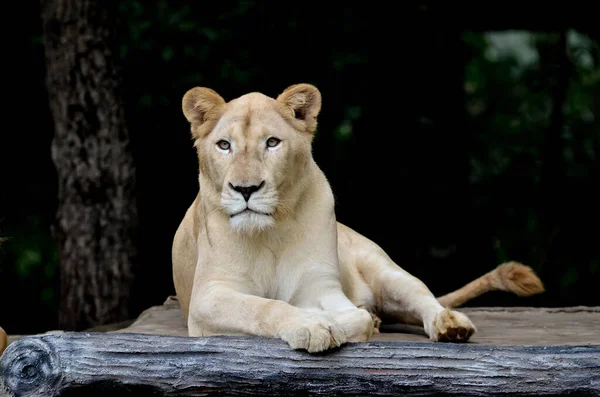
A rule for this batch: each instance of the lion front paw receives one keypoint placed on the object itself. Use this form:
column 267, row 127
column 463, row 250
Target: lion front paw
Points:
column 451, row 326
column 314, row 333
column 358, row 324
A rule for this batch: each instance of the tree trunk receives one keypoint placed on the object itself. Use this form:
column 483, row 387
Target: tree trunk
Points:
column 97, row 213
column 96, row 364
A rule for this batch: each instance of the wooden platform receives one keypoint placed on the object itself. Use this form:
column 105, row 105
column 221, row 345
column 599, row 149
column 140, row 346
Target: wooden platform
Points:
column 495, row 326
column 517, row 351
column 502, row 326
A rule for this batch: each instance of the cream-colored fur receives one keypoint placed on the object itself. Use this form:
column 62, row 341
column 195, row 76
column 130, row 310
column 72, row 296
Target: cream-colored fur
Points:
column 259, row 251
column 3, row 341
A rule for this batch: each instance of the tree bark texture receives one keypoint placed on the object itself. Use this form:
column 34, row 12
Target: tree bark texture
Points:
column 91, row 364
column 97, row 215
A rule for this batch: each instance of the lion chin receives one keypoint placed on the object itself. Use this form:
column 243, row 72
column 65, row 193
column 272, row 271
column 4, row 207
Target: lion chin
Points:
column 251, row 222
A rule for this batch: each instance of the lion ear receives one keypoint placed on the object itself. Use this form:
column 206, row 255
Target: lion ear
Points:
column 198, row 104
column 304, row 103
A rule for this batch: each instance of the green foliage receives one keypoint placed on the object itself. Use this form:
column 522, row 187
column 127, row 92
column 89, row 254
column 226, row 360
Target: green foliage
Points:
column 34, row 256
column 510, row 101
column 165, row 48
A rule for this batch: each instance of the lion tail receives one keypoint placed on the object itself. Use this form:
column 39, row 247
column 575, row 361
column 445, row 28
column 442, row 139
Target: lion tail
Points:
column 510, row 277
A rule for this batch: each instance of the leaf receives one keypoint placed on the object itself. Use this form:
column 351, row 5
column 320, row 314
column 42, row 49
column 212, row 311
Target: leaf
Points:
column 168, row 53
column 29, row 259
column 210, row 33
column 47, row 294
column 344, row 132
column 569, row 279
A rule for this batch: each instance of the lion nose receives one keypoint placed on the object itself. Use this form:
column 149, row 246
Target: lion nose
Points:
column 247, row 190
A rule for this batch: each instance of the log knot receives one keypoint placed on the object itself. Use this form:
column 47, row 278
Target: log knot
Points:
column 30, row 367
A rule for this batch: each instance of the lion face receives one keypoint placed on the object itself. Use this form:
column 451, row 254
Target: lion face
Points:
column 253, row 151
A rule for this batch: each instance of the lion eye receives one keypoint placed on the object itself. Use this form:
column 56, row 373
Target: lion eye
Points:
column 223, row 145
column 272, row 142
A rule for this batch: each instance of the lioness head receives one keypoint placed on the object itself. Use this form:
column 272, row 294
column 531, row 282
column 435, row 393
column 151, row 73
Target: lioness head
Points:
column 253, row 151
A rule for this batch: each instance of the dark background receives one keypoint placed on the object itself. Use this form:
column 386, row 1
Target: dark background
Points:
column 482, row 145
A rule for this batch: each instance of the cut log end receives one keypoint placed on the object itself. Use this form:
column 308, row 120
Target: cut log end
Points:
column 30, row 367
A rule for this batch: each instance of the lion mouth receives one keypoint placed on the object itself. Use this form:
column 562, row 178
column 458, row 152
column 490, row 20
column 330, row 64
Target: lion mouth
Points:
column 248, row 210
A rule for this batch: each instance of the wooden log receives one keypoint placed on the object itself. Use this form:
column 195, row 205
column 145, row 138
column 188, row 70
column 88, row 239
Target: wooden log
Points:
column 118, row 364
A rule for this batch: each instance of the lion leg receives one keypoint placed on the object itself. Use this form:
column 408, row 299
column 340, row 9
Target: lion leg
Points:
column 357, row 323
column 225, row 308
column 407, row 299
column 394, row 293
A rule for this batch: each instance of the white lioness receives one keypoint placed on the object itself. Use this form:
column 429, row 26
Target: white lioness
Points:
column 259, row 251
